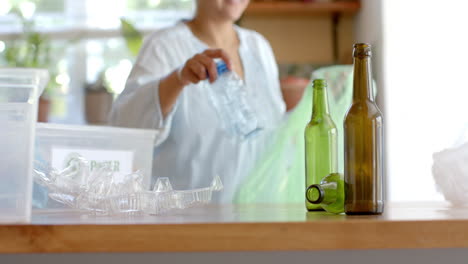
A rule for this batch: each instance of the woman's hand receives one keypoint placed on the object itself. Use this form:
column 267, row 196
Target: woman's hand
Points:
column 196, row 69
column 202, row 66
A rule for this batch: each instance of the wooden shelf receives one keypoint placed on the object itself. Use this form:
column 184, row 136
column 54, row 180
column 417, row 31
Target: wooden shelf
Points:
column 240, row 228
column 301, row 8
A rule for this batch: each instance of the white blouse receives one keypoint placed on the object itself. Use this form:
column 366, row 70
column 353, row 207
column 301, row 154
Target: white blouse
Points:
column 194, row 147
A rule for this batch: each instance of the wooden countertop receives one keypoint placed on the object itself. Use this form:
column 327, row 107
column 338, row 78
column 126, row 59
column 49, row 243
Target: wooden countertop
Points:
column 240, row 228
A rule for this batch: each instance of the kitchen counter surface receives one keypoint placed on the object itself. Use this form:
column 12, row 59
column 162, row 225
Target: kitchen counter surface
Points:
column 256, row 227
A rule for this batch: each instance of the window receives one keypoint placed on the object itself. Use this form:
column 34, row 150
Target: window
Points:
column 85, row 42
column 425, row 66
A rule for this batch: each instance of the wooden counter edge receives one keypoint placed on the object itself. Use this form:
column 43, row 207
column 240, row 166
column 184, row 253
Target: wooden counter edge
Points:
column 234, row 237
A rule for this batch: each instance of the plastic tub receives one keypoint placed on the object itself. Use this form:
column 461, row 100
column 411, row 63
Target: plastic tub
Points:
column 19, row 92
column 125, row 150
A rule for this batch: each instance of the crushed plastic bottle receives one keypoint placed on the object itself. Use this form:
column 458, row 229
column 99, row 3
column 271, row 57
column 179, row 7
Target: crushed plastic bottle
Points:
column 229, row 97
column 100, row 193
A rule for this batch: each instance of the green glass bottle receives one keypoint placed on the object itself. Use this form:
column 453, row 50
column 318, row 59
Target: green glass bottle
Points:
column 320, row 141
column 329, row 194
column 363, row 139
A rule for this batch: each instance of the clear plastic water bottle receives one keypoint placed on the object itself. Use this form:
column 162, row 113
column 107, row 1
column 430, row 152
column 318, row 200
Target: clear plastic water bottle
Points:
column 229, row 98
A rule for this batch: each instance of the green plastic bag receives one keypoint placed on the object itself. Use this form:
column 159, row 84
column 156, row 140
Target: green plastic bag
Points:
column 279, row 176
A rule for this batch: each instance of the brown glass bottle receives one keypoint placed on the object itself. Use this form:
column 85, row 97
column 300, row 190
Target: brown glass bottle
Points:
column 363, row 139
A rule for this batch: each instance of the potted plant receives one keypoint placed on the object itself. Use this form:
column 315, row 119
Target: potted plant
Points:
column 98, row 101
column 99, row 95
column 293, row 87
column 133, row 37
column 33, row 50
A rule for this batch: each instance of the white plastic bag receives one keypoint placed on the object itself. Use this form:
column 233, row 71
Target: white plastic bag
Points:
column 450, row 171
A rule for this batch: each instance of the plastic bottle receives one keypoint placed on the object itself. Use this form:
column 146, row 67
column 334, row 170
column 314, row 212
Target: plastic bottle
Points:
column 229, row 98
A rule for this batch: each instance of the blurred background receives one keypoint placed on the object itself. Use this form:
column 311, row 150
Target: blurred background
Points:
column 419, row 62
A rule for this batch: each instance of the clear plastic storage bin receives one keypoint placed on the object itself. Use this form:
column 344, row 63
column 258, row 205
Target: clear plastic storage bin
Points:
column 19, row 92
column 125, row 150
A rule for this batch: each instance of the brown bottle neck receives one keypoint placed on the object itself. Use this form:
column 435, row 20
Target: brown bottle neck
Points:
column 362, row 85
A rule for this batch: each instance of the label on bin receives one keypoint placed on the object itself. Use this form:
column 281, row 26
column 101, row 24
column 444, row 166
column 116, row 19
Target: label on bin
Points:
column 120, row 161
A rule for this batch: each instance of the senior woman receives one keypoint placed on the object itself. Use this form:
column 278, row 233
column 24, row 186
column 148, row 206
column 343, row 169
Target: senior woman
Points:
column 164, row 91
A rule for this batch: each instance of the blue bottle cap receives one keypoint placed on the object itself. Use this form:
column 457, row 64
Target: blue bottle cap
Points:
column 221, row 67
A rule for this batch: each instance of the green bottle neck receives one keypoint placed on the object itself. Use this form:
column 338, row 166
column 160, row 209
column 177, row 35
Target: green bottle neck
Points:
column 322, row 193
column 362, row 85
column 320, row 102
